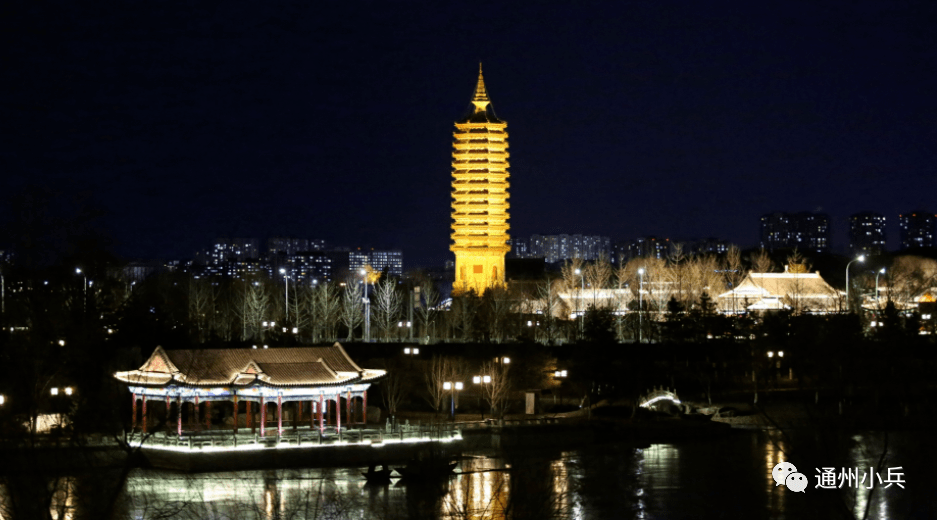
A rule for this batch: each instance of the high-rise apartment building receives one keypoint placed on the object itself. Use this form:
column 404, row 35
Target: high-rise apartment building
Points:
column 917, row 229
column 806, row 231
column 867, row 233
column 378, row 260
column 479, row 196
column 556, row 248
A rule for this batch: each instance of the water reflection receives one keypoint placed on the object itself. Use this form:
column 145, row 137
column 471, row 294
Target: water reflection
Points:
column 722, row 478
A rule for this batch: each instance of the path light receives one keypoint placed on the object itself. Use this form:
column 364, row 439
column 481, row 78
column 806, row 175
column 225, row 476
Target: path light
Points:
column 476, row 379
column 55, row 390
column 68, row 390
column 780, row 353
column 770, row 353
column 3, row 400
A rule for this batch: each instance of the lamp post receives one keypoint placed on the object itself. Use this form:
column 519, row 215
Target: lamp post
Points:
column 860, row 258
column 878, row 302
column 582, row 288
column 453, row 388
column 367, row 307
column 286, row 280
column 84, row 304
column 641, row 306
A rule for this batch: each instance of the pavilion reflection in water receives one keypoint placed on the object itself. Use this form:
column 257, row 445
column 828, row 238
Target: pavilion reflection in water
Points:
column 486, row 488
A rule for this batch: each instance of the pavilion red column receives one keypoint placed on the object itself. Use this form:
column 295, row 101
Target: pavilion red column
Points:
column 338, row 412
column 197, row 422
column 312, row 415
column 235, row 414
column 250, row 416
column 179, row 415
column 298, row 413
column 364, row 407
column 133, row 422
column 207, row 415
column 144, row 414
column 349, row 417
column 168, row 413
column 279, row 415
column 263, row 417
column 319, row 411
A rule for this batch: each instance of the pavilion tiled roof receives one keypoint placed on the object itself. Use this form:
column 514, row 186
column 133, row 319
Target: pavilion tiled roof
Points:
column 296, row 366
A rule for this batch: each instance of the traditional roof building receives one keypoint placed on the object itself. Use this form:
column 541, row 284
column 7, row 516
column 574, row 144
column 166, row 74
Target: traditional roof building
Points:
column 479, row 193
column 799, row 292
column 318, row 375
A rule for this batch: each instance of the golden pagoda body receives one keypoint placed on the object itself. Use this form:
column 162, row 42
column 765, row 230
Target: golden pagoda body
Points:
column 479, row 197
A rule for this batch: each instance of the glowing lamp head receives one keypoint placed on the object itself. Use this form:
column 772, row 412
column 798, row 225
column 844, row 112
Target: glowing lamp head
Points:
column 486, row 379
column 458, row 385
column 641, row 271
column 476, row 379
column 54, row 391
column 447, row 386
column 861, row 258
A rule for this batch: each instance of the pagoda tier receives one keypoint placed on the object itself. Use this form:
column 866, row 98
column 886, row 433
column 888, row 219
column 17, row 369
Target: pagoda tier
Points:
column 479, row 196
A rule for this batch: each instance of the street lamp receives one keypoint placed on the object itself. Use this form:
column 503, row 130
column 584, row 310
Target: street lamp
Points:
column 367, row 307
column 860, row 258
column 453, row 388
column 84, row 304
column 286, row 280
column 878, row 302
column 582, row 288
column 641, row 306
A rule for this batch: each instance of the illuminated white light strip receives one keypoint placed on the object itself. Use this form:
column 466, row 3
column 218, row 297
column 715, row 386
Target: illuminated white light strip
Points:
column 285, row 446
column 660, row 398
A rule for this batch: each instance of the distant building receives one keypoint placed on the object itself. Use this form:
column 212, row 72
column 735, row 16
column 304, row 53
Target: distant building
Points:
column 867, row 233
column 556, row 248
column 304, row 268
column 225, row 249
column 642, row 247
column 806, row 231
column 290, row 246
column 518, row 248
column 378, row 260
column 798, row 292
column 710, row 246
column 917, row 229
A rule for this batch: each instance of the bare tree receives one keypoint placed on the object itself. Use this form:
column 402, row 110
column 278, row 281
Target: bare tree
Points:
column 387, row 306
column 762, row 262
column 253, row 306
column 352, row 307
column 426, row 310
column 501, row 303
column 496, row 392
column 440, row 370
column 548, row 292
column 201, row 303
column 327, row 309
column 598, row 274
column 734, row 272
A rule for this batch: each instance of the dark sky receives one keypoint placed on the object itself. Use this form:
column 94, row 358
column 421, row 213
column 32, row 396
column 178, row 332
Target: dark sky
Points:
column 191, row 120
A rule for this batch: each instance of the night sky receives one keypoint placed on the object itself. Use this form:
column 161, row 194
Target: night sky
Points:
column 191, row 120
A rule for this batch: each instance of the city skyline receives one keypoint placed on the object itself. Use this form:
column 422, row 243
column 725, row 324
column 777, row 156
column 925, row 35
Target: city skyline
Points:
column 639, row 120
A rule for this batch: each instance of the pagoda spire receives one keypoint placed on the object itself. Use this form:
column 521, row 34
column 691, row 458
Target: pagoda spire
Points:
column 480, row 99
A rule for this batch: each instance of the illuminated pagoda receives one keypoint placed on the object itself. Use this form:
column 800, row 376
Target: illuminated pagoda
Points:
column 172, row 380
column 479, row 193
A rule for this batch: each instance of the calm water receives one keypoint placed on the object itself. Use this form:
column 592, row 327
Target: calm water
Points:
column 723, row 478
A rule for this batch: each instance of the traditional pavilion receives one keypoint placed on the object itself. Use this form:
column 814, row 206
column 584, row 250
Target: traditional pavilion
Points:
column 191, row 381
column 479, row 196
